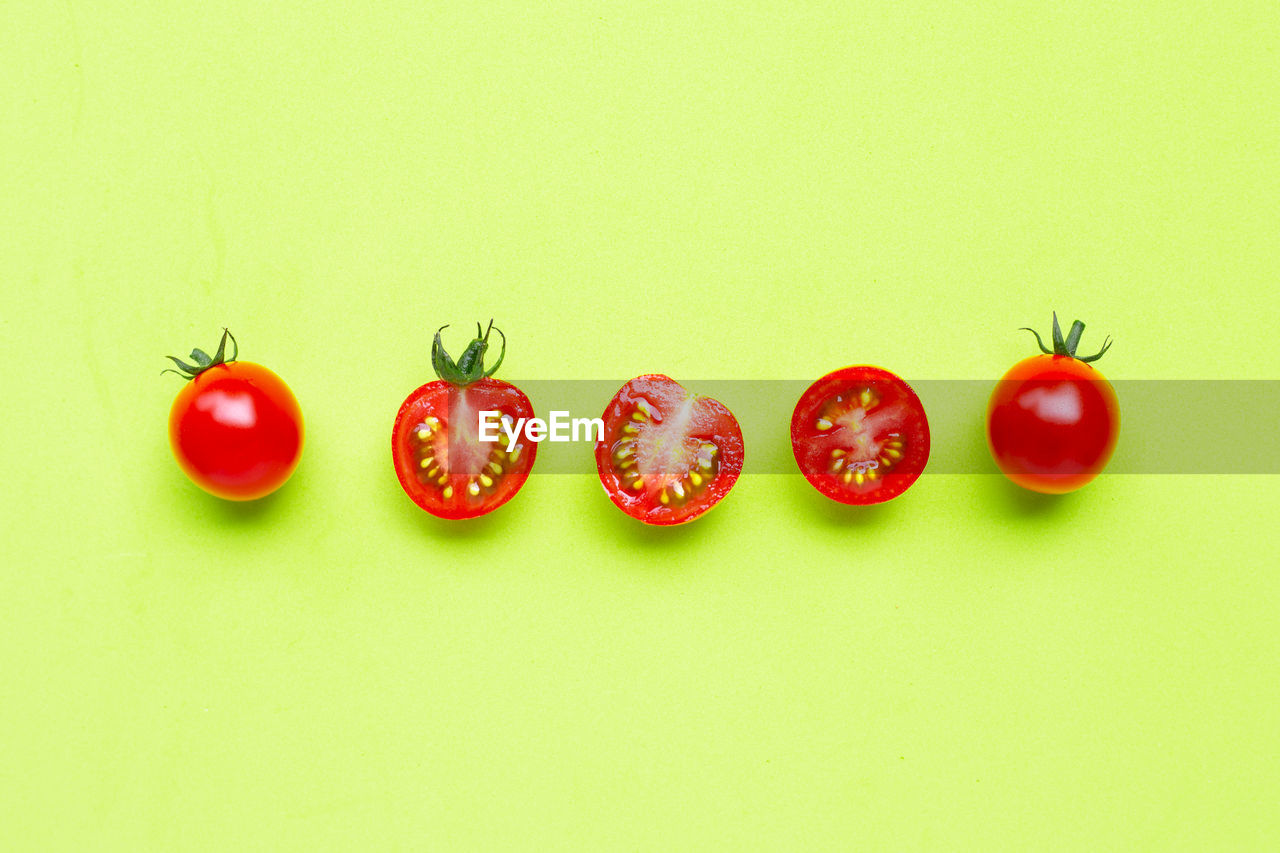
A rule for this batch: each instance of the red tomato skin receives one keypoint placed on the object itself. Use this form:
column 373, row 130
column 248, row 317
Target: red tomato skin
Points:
column 804, row 438
column 714, row 423
column 1052, row 423
column 437, row 398
column 236, row 431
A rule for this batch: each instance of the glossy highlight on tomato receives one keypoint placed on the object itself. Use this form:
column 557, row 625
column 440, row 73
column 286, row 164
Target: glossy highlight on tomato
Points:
column 668, row 456
column 860, row 435
column 441, row 463
column 1053, row 419
column 235, row 428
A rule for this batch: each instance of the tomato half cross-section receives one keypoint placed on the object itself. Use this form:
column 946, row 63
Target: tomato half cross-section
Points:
column 440, row 459
column 667, row 455
column 1053, row 420
column 235, row 427
column 860, row 435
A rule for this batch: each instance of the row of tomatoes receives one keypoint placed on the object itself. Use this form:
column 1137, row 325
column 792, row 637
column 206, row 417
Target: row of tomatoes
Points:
column 859, row 434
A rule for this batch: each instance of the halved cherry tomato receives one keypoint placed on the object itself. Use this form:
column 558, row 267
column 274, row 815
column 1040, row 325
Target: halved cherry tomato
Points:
column 860, row 435
column 441, row 462
column 235, row 427
column 1053, row 420
column 667, row 456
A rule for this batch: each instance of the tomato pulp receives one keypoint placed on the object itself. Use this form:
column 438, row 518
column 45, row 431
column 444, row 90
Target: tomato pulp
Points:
column 667, row 456
column 860, row 435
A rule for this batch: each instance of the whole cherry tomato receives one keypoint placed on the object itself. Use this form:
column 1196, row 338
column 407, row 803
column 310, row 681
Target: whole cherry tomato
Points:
column 1053, row 419
column 440, row 459
column 235, row 427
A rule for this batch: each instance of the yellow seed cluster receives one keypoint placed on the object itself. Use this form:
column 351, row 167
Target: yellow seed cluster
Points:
column 863, row 471
column 435, row 470
column 866, row 399
column 677, row 492
column 863, row 462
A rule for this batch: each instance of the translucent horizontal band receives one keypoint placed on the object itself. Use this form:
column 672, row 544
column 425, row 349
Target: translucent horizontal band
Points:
column 1199, row 426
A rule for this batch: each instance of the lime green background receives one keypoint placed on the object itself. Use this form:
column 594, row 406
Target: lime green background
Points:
column 768, row 190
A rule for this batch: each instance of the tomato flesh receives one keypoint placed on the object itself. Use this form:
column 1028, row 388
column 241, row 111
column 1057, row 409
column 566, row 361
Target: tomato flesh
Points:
column 236, row 431
column 439, row 458
column 860, row 435
column 1052, row 423
column 668, row 455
